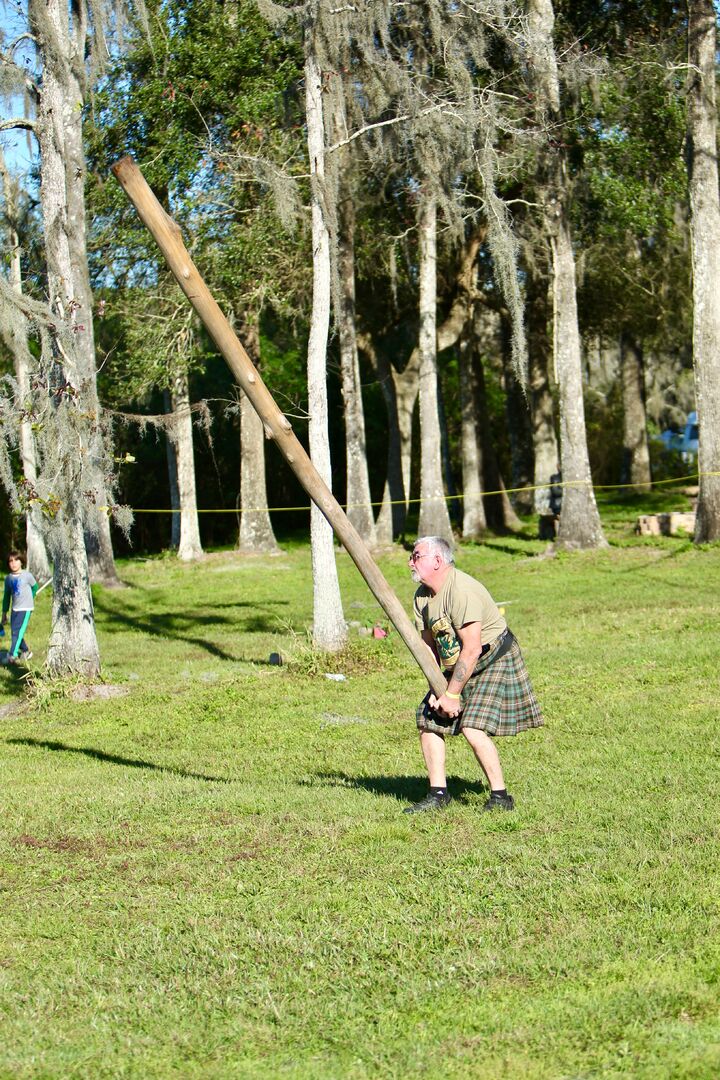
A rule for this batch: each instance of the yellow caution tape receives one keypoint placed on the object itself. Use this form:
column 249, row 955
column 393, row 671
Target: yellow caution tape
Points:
column 447, row 498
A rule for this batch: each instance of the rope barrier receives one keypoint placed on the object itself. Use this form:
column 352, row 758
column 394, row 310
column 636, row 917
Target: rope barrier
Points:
column 446, row 498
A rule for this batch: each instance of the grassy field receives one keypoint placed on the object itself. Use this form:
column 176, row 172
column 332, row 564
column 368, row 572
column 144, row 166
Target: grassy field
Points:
column 211, row 875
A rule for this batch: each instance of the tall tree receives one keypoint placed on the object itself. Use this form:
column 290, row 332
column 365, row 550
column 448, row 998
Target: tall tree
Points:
column 189, row 544
column 434, row 517
column 71, row 452
column 705, row 230
column 256, row 533
column 329, row 628
column 344, row 179
column 73, row 458
column 579, row 521
column 62, row 36
column 206, row 98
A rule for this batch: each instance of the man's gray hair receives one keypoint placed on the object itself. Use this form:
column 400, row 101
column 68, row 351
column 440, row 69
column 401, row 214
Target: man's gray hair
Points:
column 437, row 544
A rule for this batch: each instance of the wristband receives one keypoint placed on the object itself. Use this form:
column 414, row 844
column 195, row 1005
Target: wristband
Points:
column 454, row 697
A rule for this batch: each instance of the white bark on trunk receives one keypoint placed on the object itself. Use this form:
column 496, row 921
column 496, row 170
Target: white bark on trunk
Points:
column 579, row 520
column 358, row 498
column 14, row 331
column 172, row 477
column 73, row 643
column 101, row 561
column 434, row 519
column 256, row 531
column 636, row 451
column 189, row 547
column 73, row 646
column 705, row 233
column 329, row 628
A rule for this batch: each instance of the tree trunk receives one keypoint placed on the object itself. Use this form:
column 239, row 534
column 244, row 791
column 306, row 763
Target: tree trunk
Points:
column 329, row 628
column 73, row 643
column 474, row 523
column 256, row 531
column 541, row 401
column 579, row 525
column 98, row 541
column 189, row 546
column 172, row 477
column 14, row 331
column 636, row 452
column 358, row 499
column 73, row 647
column 434, row 517
column 359, row 502
column 705, row 231
column 579, row 520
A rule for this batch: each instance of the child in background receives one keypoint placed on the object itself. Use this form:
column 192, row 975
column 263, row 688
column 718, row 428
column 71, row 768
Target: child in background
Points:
column 20, row 589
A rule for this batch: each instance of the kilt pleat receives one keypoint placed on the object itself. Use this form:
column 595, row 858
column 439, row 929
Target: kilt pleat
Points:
column 498, row 698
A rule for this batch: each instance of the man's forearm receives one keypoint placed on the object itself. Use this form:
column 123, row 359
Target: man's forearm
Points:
column 463, row 669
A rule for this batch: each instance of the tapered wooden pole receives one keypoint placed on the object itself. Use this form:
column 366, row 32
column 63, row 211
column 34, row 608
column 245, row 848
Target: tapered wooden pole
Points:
column 277, row 426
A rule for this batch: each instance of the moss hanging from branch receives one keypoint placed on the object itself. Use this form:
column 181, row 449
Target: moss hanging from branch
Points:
column 75, row 468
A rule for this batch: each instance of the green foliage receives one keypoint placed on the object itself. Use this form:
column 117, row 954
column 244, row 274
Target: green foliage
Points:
column 627, row 212
column 203, row 112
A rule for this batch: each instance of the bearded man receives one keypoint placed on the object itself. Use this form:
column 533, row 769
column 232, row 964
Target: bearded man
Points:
column 488, row 692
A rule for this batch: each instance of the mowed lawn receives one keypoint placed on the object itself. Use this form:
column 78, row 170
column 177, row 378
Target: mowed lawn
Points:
column 211, row 875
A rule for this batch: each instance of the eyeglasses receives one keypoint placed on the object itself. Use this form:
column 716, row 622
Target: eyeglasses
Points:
column 416, row 558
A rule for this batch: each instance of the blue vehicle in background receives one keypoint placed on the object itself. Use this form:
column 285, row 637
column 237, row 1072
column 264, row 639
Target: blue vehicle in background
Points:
column 685, row 440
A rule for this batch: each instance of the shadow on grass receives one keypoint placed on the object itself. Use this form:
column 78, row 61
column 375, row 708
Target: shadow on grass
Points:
column 407, row 788
column 176, row 624
column 15, row 681
column 115, row 759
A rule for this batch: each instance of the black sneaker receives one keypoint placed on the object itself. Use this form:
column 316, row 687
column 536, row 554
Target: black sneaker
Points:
column 500, row 802
column 430, row 802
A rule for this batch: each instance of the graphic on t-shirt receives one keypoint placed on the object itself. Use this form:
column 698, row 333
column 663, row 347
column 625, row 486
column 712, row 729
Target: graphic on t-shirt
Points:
column 446, row 641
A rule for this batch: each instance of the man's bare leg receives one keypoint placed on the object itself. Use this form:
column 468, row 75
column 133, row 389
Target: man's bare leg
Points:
column 487, row 756
column 433, row 748
column 438, row 797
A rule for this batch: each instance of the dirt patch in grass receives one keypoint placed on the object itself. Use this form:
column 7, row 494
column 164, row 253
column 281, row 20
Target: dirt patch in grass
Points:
column 98, row 691
column 63, row 844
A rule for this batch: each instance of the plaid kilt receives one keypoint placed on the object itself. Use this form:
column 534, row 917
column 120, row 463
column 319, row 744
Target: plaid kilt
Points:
column 497, row 698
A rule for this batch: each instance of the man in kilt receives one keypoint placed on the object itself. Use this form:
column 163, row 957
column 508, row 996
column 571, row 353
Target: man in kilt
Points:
column 488, row 691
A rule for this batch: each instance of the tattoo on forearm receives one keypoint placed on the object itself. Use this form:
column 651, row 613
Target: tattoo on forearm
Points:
column 460, row 672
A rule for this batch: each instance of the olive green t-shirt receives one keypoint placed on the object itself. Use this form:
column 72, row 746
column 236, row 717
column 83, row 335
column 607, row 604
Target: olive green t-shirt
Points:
column 461, row 600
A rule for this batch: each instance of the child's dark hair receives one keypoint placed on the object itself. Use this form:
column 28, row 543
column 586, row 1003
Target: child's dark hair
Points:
column 14, row 555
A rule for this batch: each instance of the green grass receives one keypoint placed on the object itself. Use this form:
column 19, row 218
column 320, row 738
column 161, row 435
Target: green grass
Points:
column 211, row 875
